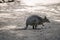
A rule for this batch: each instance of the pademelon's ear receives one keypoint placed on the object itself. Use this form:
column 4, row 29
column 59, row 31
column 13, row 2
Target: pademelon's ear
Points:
column 45, row 17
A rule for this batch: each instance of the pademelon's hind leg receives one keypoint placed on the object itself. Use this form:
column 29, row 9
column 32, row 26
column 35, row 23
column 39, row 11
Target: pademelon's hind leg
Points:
column 35, row 26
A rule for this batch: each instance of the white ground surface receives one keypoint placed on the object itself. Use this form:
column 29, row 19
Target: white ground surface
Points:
column 12, row 22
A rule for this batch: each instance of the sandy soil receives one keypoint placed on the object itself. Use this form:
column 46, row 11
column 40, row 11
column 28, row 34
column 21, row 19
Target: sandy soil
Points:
column 12, row 24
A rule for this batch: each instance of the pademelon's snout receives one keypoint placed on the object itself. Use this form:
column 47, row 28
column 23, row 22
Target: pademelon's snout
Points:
column 48, row 21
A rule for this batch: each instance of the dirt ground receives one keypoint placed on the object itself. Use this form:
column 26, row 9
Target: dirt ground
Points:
column 13, row 19
column 12, row 24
